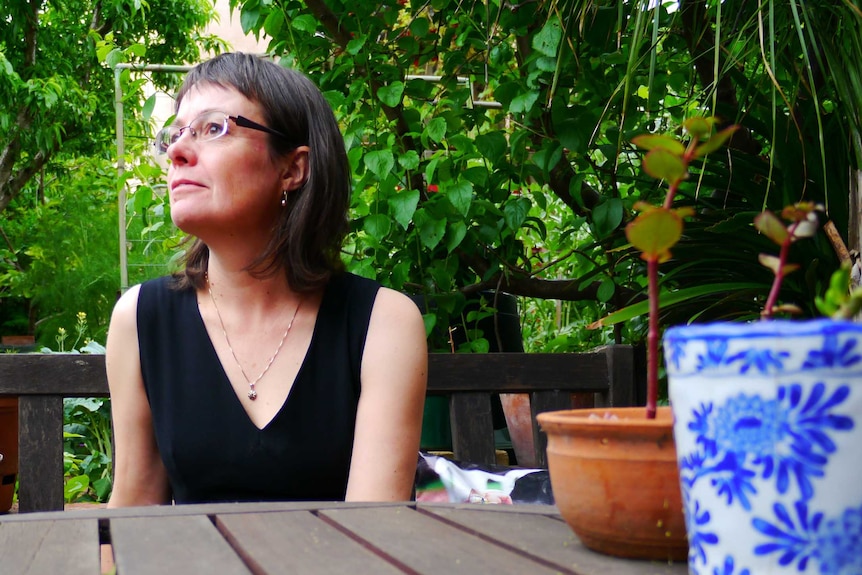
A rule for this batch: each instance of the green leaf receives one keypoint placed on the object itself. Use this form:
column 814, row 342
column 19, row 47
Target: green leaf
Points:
column 419, row 27
column 455, row 234
column 75, row 487
column 304, row 23
column 403, row 206
column 570, row 135
column 430, row 320
column 143, row 198
column 355, row 45
column 377, row 226
column 607, row 216
column 114, row 57
column 547, row 40
column 672, row 298
column 436, row 129
column 149, row 106
column 137, row 50
column 380, row 162
column 248, row 19
column 664, row 165
column 524, row 102
column 606, row 290
column 658, row 141
column 492, row 146
column 546, row 64
column 409, row 160
column 102, row 487
column 460, row 195
column 274, row 22
column 391, row 94
column 515, row 212
column 431, row 230
column 548, row 157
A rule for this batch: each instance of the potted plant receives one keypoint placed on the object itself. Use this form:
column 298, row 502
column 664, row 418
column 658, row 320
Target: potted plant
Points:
column 614, row 471
column 768, row 423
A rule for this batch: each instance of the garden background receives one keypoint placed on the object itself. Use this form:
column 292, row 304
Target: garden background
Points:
column 490, row 145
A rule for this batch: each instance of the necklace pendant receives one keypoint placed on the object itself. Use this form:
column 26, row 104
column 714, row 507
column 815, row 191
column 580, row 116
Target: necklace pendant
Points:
column 252, row 395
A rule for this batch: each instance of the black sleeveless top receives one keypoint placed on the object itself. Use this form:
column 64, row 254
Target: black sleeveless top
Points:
column 211, row 449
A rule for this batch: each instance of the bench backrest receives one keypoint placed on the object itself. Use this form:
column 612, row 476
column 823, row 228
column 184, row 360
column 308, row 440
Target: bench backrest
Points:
column 41, row 382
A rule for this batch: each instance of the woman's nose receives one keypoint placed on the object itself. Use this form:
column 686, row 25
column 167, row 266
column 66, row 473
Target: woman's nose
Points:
column 182, row 150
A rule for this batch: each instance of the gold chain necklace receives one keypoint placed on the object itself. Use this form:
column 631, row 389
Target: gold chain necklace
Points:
column 252, row 392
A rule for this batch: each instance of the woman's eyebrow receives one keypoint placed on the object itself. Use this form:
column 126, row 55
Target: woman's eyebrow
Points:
column 181, row 122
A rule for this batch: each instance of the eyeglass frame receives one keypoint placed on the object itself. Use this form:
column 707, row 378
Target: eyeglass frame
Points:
column 240, row 121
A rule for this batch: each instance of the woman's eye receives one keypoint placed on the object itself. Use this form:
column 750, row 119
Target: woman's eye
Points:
column 211, row 129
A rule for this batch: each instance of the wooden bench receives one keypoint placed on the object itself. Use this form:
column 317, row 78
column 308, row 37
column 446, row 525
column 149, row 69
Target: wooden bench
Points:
column 42, row 381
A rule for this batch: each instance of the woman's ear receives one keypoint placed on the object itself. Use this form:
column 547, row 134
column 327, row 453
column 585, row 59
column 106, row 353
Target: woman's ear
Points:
column 296, row 169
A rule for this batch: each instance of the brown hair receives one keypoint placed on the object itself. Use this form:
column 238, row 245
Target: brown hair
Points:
column 307, row 237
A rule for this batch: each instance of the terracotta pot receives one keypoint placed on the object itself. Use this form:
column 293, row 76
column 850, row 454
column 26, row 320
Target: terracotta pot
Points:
column 8, row 449
column 616, row 482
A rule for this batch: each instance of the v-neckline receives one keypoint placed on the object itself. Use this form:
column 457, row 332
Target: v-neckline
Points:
column 225, row 379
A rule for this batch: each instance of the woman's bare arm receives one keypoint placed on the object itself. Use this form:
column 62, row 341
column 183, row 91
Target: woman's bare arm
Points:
column 139, row 475
column 389, row 419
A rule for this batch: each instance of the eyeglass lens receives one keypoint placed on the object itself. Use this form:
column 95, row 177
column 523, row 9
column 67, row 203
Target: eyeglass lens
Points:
column 208, row 126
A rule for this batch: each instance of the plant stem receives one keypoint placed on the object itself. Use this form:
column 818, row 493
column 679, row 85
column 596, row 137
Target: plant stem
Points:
column 652, row 339
column 772, row 298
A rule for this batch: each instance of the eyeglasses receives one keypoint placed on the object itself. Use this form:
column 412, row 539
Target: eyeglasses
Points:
column 208, row 126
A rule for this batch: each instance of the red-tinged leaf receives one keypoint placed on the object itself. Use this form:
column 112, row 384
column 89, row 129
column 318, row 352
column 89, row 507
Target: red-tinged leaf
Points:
column 654, row 232
column 770, row 261
column 664, row 165
column 769, row 225
column 787, row 308
column 699, row 127
column 641, row 206
column 654, row 141
column 803, row 216
column 716, row 141
column 685, row 211
column 800, row 211
column 774, row 264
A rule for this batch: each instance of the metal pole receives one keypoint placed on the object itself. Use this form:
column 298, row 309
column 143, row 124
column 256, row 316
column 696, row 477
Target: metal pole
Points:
column 121, row 154
column 121, row 168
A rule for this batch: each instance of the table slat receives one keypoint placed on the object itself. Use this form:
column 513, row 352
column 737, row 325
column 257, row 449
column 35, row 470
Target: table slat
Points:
column 429, row 546
column 298, row 542
column 68, row 547
column 551, row 539
column 162, row 545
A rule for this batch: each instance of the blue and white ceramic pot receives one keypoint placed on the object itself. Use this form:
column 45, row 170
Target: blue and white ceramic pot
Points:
column 768, row 431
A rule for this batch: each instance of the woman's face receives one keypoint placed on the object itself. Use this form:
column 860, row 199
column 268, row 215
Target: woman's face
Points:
column 229, row 185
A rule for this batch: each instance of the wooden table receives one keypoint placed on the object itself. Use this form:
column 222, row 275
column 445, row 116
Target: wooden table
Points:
column 338, row 538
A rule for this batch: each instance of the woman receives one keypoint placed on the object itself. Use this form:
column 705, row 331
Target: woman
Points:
column 262, row 370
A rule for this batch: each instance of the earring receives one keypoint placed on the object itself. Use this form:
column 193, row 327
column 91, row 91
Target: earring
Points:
column 283, row 198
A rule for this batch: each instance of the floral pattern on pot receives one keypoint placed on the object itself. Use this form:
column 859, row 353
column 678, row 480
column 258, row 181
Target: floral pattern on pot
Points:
column 768, row 428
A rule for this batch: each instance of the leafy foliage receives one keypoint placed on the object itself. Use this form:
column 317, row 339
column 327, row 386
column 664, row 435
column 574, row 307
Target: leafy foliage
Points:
column 58, row 188
column 489, row 141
